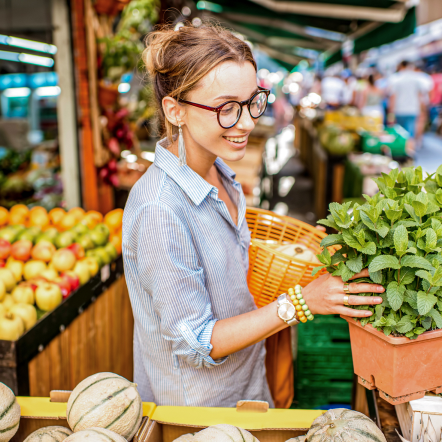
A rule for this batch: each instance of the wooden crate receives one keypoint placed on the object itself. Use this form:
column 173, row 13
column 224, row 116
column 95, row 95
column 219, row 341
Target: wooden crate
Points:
column 91, row 331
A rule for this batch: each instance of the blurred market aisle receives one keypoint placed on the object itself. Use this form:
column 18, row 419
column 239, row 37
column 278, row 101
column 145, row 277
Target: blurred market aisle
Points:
column 430, row 156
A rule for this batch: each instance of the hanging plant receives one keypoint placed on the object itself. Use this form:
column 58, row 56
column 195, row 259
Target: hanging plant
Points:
column 397, row 234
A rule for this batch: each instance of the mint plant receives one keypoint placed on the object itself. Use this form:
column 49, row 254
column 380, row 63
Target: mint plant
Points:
column 397, row 234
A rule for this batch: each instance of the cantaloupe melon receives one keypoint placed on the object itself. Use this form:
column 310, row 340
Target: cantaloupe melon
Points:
column 9, row 414
column 297, row 439
column 224, row 433
column 186, row 438
column 95, row 435
column 105, row 400
column 49, row 434
column 341, row 424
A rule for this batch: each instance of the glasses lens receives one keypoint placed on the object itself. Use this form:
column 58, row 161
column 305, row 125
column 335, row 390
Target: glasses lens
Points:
column 229, row 114
column 258, row 105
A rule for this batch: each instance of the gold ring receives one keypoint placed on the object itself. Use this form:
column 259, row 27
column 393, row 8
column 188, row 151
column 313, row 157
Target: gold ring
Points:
column 346, row 288
column 346, row 300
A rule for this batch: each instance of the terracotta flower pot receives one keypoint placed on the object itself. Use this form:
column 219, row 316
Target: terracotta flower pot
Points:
column 400, row 368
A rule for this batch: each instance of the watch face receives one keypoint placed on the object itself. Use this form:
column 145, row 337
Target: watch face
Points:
column 286, row 311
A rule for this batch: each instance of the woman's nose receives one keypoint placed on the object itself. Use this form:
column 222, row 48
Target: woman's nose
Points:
column 246, row 122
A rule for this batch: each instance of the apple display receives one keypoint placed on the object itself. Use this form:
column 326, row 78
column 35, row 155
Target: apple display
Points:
column 16, row 267
column 63, row 259
column 103, row 254
column 81, row 269
column 100, row 234
column 48, row 296
column 8, row 279
column 77, row 249
column 33, row 268
column 111, row 251
column 21, row 250
column 49, row 274
column 23, row 293
column 9, row 234
column 64, row 284
column 80, row 229
column 93, row 265
column 2, row 291
column 11, row 326
column 26, row 312
column 86, row 242
column 73, row 279
column 64, row 239
column 5, row 249
column 43, row 251
column 48, row 235
column 30, row 234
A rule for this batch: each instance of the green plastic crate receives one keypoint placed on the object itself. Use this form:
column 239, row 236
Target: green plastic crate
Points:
column 316, row 393
column 394, row 138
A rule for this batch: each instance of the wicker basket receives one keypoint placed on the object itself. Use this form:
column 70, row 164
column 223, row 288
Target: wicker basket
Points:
column 270, row 271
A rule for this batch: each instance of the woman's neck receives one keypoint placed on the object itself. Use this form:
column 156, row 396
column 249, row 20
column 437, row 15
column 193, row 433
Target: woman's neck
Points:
column 197, row 158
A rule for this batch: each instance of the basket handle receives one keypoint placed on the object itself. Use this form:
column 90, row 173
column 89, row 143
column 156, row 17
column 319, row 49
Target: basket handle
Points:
column 252, row 406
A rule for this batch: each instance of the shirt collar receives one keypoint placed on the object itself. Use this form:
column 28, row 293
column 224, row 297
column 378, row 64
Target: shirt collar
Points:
column 196, row 187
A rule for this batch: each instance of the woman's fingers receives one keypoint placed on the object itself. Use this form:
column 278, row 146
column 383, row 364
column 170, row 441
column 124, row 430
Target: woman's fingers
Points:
column 364, row 287
column 364, row 300
column 362, row 274
column 321, row 228
column 353, row 313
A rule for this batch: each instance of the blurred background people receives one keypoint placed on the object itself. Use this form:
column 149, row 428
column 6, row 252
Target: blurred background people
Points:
column 372, row 98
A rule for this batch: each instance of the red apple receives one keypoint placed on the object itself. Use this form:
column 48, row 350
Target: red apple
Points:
column 21, row 250
column 2, row 263
column 5, row 249
column 43, row 251
column 63, row 259
column 77, row 249
column 73, row 279
column 64, row 284
column 48, row 296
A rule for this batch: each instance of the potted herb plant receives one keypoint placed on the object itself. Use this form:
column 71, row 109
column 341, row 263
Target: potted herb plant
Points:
column 397, row 234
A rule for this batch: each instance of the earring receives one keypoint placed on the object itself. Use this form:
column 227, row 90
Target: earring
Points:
column 181, row 147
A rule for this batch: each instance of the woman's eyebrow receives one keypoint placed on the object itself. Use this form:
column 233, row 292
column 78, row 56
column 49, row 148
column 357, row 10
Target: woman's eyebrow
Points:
column 233, row 97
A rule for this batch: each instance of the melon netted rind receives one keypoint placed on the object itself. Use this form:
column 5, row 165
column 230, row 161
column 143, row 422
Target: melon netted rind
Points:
column 105, row 400
column 95, row 435
column 297, row 439
column 9, row 414
column 342, row 425
column 189, row 437
column 224, row 433
column 49, row 434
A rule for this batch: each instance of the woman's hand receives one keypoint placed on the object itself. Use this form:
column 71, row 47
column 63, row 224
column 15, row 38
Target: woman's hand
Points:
column 325, row 296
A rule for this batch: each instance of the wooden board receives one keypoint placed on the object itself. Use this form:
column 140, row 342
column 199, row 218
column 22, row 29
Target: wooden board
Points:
column 100, row 339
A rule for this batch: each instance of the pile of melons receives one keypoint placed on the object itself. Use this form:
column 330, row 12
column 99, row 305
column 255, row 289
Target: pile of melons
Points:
column 106, row 407
column 45, row 256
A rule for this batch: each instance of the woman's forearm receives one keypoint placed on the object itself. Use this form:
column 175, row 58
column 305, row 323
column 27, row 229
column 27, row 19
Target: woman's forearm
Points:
column 233, row 334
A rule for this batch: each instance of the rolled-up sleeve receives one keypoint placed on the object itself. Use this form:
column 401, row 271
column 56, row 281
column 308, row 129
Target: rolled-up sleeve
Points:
column 169, row 271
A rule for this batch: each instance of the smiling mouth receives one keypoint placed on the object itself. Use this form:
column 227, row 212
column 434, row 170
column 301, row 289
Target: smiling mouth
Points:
column 236, row 139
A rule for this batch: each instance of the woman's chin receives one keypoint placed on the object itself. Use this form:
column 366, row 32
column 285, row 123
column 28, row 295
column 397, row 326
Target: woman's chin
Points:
column 237, row 155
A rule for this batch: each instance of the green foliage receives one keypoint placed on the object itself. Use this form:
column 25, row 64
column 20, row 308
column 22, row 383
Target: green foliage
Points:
column 397, row 235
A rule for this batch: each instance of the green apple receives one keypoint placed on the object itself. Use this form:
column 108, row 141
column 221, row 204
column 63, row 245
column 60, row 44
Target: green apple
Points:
column 30, row 234
column 18, row 228
column 103, row 254
column 111, row 250
column 64, row 239
column 80, row 229
column 9, row 234
column 86, row 242
column 81, row 269
column 93, row 254
column 100, row 234
column 48, row 235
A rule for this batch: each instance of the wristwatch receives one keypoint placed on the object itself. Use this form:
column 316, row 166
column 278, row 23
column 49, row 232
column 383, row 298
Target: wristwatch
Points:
column 286, row 310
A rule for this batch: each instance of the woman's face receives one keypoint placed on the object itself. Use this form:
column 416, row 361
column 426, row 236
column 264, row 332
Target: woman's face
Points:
column 202, row 133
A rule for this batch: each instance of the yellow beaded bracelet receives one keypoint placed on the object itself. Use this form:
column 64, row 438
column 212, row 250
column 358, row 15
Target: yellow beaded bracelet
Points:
column 302, row 310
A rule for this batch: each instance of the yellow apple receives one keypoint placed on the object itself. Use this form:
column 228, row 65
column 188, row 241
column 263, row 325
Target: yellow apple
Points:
column 2, row 309
column 2, row 290
column 8, row 302
column 33, row 268
column 63, row 260
column 48, row 296
column 16, row 267
column 49, row 274
column 11, row 327
column 8, row 279
column 81, row 269
column 23, row 293
column 92, row 264
column 26, row 312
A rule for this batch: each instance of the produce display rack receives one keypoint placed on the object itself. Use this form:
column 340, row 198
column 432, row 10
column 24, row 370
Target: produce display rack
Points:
column 16, row 355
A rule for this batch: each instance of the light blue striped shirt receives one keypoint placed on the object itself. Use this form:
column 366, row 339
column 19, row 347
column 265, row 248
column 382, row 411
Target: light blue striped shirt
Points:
column 186, row 266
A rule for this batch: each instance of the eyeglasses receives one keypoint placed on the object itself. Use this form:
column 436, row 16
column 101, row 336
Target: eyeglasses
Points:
column 230, row 112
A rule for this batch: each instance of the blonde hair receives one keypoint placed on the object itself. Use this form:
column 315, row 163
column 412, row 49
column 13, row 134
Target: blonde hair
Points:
column 178, row 60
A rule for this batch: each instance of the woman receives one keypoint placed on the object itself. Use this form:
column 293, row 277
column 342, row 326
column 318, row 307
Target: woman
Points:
column 199, row 339
column 372, row 99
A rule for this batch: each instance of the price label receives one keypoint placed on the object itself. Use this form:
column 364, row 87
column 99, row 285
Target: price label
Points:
column 105, row 273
